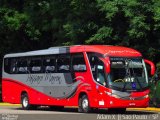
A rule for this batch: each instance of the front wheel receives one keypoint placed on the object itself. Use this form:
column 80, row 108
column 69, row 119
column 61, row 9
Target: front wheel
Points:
column 25, row 102
column 84, row 105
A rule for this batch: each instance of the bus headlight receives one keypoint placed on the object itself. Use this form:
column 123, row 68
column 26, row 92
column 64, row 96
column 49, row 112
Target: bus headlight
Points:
column 112, row 95
column 146, row 96
column 108, row 93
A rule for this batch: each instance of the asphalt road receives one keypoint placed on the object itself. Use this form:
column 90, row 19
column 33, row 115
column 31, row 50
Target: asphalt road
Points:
column 16, row 113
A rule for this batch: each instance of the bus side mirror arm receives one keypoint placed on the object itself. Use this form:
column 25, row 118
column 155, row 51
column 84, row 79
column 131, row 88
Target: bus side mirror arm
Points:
column 108, row 69
column 107, row 64
column 153, row 69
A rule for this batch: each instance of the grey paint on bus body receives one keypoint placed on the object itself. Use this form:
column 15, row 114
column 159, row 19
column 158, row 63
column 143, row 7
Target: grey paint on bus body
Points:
column 50, row 51
column 51, row 84
column 57, row 85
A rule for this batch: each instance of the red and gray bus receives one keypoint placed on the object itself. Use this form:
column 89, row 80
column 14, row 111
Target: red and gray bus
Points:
column 87, row 76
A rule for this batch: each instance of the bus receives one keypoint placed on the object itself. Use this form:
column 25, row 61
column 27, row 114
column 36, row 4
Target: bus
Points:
column 87, row 76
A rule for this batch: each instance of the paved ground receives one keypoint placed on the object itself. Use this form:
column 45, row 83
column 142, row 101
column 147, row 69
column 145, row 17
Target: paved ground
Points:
column 14, row 112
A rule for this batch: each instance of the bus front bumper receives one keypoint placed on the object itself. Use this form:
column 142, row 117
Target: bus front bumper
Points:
column 112, row 102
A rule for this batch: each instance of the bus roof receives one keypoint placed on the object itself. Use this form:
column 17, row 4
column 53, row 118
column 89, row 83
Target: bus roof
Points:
column 106, row 50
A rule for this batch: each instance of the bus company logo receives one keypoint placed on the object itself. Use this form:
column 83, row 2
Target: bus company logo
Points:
column 131, row 98
column 34, row 79
column 37, row 79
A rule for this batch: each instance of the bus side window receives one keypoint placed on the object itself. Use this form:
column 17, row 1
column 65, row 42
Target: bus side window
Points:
column 97, row 68
column 49, row 65
column 36, row 66
column 7, row 65
column 63, row 63
column 93, row 63
column 13, row 68
column 101, row 73
column 78, row 63
column 22, row 66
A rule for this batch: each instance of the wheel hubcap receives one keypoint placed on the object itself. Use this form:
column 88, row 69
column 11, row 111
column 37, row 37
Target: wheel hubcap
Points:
column 25, row 102
column 85, row 103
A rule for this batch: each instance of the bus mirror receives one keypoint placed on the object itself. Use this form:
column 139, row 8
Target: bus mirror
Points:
column 149, row 79
column 151, row 65
column 156, row 77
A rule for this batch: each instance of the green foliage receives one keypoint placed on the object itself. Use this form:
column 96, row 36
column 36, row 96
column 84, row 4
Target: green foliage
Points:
column 156, row 12
column 38, row 24
column 27, row 25
column 14, row 20
column 102, row 36
column 11, row 18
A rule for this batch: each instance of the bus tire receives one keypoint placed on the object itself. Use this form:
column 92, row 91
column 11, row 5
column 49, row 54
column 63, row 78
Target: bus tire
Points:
column 25, row 102
column 84, row 105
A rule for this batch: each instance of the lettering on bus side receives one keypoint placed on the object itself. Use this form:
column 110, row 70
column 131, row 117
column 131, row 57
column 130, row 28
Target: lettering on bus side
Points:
column 53, row 79
column 34, row 79
column 37, row 79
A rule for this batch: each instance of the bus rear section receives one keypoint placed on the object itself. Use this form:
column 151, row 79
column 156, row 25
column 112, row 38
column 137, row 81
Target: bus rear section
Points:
column 85, row 76
column 46, row 79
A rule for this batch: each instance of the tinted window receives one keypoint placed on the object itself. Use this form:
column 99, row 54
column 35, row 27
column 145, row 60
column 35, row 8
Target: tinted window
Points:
column 13, row 67
column 97, row 67
column 7, row 65
column 63, row 63
column 49, row 65
column 101, row 78
column 22, row 66
column 78, row 62
column 36, row 66
column 93, row 63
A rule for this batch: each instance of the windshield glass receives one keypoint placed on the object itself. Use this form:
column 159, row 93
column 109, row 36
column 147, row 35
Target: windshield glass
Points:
column 128, row 74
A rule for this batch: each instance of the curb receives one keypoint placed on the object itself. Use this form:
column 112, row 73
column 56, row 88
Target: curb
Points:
column 145, row 109
column 8, row 104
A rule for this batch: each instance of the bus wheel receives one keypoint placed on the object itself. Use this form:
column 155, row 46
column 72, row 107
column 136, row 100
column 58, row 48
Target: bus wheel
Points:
column 25, row 102
column 84, row 104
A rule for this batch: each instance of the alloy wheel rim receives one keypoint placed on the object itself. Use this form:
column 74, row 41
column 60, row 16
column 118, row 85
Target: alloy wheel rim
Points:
column 85, row 104
column 25, row 102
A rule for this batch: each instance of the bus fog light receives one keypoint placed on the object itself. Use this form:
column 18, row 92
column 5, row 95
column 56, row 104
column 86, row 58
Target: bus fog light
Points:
column 111, row 102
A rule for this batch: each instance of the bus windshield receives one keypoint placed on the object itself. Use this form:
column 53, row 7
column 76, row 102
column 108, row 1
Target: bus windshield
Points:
column 128, row 74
